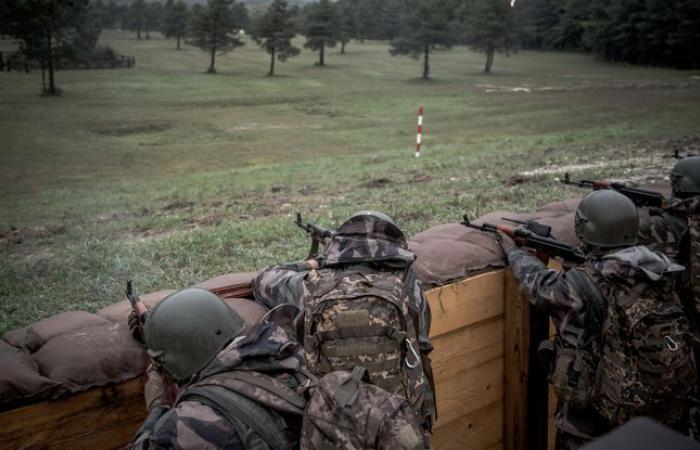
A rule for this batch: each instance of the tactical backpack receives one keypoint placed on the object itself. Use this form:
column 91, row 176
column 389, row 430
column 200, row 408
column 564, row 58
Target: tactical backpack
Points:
column 360, row 316
column 345, row 411
column 642, row 364
column 265, row 411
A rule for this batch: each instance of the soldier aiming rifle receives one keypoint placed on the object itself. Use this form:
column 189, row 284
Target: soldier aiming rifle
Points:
column 534, row 235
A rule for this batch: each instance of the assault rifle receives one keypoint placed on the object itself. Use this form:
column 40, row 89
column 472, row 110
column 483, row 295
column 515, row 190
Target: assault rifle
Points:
column 136, row 303
column 318, row 234
column 535, row 236
column 640, row 197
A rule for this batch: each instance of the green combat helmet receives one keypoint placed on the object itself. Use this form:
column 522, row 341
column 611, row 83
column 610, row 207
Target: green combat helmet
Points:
column 685, row 177
column 607, row 219
column 375, row 215
column 187, row 329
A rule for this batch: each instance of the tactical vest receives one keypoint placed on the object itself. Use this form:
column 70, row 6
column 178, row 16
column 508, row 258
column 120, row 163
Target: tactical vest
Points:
column 265, row 411
column 361, row 317
column 642, row 362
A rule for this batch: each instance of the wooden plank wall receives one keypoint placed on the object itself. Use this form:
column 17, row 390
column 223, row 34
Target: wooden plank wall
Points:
column 467, row 333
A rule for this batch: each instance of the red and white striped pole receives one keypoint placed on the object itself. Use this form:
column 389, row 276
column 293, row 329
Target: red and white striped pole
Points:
column 419, row 135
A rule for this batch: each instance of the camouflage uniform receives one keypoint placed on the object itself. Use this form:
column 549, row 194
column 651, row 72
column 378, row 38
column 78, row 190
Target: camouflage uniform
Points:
column 362, row 244
column 192, row 423
column 567, row 297
column 676, row 233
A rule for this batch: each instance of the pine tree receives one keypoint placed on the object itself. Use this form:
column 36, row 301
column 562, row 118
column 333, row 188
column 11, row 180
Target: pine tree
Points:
column 176, row 19
column 213, row 29
column 154, row 17
column 49, row 28
column 427, row 26
column 136, row 17
column 347, row 23
column 241, row 18
column 320, row 28
column 274, row 32
column 491, row 26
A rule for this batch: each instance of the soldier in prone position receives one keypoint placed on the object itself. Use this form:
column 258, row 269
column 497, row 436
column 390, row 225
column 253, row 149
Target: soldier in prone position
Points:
column 623, row 344
column 234, row 383
column 361, row 306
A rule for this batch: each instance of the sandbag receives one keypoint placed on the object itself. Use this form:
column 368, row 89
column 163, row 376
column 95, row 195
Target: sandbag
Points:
column 119, row 312
column 17, row 338
column 93, row 356
column 231, row 285
column 452, row 251
column 250, row 312
column 39, row 333
column 561, row 208
column 20, row 380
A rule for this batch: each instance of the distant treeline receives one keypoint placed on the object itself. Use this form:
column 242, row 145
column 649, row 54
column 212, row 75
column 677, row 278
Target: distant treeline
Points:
column 650, row 32
column 653, row 32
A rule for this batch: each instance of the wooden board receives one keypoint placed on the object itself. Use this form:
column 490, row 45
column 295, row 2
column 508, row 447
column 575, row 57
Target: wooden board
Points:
column 480, row 429
column 473, row 300
column 469, row 390
column 104, row 418
column 466, row 348
column 517, row 344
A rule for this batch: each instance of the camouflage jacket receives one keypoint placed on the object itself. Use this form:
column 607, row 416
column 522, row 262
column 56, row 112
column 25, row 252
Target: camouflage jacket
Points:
column 565, row 296
column 192, row 424
column 287, row 284
column 676, row 233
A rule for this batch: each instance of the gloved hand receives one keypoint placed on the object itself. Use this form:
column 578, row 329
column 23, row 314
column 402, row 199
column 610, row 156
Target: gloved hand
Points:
column 135, row 327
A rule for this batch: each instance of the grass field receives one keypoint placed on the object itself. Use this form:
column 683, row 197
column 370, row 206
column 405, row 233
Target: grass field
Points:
column 168, row 175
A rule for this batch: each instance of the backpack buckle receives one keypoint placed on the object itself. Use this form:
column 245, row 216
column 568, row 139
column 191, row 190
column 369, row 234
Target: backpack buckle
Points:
column 671, row 344
column 415, row 355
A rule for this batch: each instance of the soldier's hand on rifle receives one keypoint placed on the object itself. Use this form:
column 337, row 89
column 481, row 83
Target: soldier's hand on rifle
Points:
column 158, row 391
column 506, row 242
column 313, row 264
column 135, row 327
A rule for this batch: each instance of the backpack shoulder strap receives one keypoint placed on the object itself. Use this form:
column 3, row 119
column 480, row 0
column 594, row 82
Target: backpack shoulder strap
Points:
column 594, row 304
column 240, row 410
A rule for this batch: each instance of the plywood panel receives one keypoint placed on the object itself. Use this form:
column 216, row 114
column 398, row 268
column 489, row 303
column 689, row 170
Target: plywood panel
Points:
column 102, row 418
column 469, row 390
column 466, row 348
column 477, row 430
column 469, row 301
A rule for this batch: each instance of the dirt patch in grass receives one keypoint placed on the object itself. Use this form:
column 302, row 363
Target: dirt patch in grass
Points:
column 15, row 235
column 687, row 83
column 377, row 183
column 128, row 129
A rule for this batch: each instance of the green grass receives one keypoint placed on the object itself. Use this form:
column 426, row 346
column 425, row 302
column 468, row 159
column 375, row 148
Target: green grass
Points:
column 168, row 175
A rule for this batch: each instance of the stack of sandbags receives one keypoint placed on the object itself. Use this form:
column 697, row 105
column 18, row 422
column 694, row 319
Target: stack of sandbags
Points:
column 76, row 350
column 450, row 252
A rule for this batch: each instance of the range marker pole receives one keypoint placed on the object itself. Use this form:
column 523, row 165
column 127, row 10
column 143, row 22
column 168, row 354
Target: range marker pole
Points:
column 419, row 134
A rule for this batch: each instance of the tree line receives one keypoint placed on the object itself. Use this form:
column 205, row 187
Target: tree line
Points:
column 654, row 32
